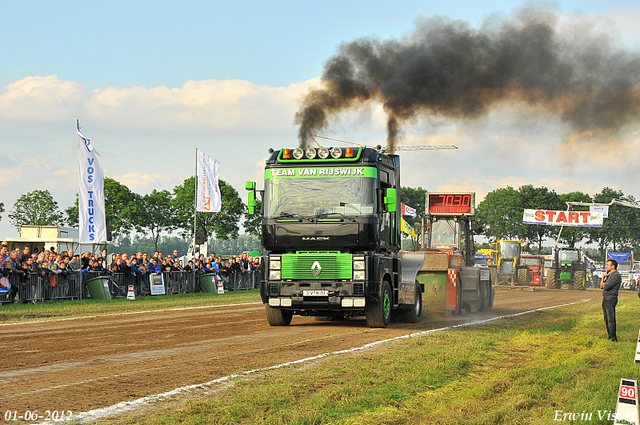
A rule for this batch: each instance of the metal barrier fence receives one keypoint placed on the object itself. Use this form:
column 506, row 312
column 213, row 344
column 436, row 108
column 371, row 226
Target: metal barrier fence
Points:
column 33, row 287
column 240, row 281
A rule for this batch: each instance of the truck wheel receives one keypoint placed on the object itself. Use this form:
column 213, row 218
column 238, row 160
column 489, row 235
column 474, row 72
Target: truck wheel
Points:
column 523, row 276
column 413, row 314
column 578, row 280
column 479, row 294
column 485, row 288
column 379, row 315
column 278, row 317
column 459, row 311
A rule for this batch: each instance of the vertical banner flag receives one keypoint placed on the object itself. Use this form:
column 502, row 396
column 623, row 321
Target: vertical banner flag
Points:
column 93, row 227
column 207, row 189
column 406, row 228
column 411, row 212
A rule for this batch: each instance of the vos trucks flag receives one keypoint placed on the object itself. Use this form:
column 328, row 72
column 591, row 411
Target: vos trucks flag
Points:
column 91, row 216
column 563, row 218
column 207, row 188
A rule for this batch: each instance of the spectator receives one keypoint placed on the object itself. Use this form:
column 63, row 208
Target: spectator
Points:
column 74, row 264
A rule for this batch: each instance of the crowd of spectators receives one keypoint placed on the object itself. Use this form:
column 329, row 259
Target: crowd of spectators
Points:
column 48, row 262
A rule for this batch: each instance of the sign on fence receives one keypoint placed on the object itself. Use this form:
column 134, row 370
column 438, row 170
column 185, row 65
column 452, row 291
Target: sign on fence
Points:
column 157, row 284
column 131, row 295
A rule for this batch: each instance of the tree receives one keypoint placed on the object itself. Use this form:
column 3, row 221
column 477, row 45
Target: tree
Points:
column 539, row 198
column 617, row 228
column 37, row 208
column 120, row 207
column 414, row 197
column 223, row 224
column 253, row 223
column 156, row 214
column 499, row 215
column 573, row 235
column 1, row 209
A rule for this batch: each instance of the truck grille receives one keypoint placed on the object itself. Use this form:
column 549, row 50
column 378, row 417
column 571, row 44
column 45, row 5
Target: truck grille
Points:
column 317, row 266
column 358, row 288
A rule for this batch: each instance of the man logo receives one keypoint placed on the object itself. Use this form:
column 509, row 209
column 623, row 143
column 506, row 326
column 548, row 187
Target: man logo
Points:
column 316, row 268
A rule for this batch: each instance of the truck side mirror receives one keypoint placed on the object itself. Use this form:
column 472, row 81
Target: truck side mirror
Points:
column 251, row 202
column 390, row 200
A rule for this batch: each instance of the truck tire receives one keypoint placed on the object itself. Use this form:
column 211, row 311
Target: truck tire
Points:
column 551, row 279
column 379, row 315
column 413, row 314
column 479, row 294
column 278, row 317
column 486, row 295
column 459, row 311
column 523, row 276
column 578, row 280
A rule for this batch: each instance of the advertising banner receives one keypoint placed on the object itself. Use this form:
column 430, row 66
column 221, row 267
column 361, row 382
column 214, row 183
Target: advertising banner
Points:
column 91, row 216
column 563, row 218
column 208, row 190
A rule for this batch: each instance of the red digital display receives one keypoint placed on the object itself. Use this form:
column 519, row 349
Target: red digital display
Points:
column 450, row 203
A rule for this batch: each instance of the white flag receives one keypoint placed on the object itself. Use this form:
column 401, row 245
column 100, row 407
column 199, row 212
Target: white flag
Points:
column 207, row 189
column 93, row 227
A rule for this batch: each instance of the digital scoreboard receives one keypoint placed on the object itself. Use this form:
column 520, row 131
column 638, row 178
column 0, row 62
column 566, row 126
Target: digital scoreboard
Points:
column 446, row 203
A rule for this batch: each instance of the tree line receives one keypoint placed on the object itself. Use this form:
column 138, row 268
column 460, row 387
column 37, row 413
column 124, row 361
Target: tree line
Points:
column 154, row 214
column 499, row 216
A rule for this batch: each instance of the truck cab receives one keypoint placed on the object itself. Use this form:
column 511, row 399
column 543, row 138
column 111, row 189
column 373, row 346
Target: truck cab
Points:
column 331, row 227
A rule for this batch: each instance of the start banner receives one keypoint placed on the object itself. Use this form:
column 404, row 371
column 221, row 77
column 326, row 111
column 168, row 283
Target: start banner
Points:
column 563, row 218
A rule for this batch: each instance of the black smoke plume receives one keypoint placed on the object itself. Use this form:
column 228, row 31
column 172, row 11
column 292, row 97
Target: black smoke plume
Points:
column 448, row 69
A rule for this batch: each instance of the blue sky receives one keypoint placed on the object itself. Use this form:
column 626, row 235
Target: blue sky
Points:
column 151, row 81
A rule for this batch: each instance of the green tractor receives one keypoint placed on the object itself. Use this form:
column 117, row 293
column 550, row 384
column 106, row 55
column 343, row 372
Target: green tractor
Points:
column 568, row 267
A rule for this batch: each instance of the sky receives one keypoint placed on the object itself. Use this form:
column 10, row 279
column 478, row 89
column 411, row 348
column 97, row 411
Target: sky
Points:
column 151, row 81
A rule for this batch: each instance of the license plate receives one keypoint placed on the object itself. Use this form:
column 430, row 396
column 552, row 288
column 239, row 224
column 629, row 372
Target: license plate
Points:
column 312, row 293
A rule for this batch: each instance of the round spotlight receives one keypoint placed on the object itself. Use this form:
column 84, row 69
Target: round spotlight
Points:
column 298, row 153
column 323, row 153
column 336, row 152
column 311, row 153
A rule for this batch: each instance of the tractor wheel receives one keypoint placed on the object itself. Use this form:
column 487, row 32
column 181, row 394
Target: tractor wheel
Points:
column 379, row 315
column 523, row 276
column 494, row 272
column 278, row 317
column 578, row 280
column 413, row 314
column 551, row 279
column 486, row 295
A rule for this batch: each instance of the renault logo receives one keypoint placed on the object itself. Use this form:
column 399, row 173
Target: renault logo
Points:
column 316, row 268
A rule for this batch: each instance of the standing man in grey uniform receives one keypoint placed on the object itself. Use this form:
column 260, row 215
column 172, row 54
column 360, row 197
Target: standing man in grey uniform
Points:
column 610, row 285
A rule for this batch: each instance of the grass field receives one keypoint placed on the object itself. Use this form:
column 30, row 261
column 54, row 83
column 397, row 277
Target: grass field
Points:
column 530, row 369
column 58, row 309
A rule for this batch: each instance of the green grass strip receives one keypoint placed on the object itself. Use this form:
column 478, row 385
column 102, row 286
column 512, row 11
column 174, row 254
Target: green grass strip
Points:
column 523, row 370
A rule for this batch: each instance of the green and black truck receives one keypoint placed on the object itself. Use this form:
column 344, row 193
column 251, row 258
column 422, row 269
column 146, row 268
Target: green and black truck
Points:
column 331, row 232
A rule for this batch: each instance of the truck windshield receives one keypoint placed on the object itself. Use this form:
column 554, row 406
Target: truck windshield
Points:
column 569, row 256
column 624, row 267
column 509, row 250
column 444, row 234
column 349, row 195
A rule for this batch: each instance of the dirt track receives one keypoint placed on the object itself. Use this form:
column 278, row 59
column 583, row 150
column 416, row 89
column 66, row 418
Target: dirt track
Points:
column 87, row 363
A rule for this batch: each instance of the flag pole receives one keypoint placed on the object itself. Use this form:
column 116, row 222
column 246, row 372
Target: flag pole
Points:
column 195, row 205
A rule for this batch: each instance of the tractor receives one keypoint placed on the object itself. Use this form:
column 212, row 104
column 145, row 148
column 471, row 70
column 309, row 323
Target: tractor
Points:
column 509, row 268
column 567, row 267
